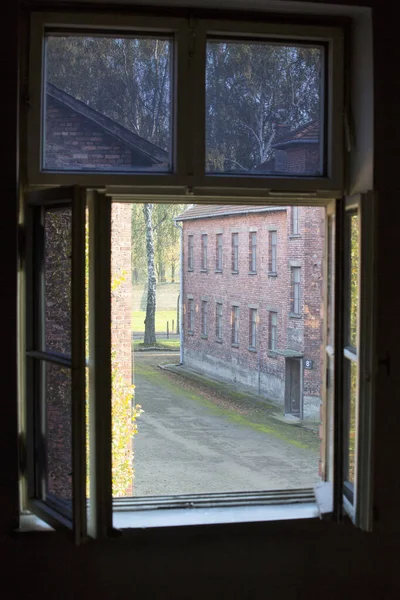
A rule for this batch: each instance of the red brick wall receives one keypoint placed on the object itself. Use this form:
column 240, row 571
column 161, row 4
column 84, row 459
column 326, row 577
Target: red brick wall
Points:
column 266, row 292
column 74, row 142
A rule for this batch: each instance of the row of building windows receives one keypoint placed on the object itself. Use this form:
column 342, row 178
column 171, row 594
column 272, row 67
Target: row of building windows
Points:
column 253, row 324
column 272, row 248
column 272, row 252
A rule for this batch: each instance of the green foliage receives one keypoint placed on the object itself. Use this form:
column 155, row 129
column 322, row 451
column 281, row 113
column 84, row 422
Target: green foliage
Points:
column 123, row 410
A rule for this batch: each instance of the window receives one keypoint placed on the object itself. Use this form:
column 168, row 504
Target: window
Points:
column 132, row 131
column 252, row 252
column 273, row 327
column 295, row 221
column 253, row 328
column 238, row 74
column 190, row 321
column 190, row 252
column 206, row 148
column 218, row 321
column 113, row 110
column 235, row 324
column 295, row 290
column 204, row 247
column 235, row 252
column 272, row 252
column 204, row 318
column 218, row 252
column 351, row 351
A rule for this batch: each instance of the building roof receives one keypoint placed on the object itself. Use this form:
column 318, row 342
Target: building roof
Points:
column 207, row 211
column 308, row 133
column 135, row 141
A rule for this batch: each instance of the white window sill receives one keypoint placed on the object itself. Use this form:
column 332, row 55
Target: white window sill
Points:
column 180, row 517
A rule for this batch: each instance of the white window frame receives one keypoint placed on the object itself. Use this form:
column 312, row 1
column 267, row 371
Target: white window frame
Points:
column 188, row 105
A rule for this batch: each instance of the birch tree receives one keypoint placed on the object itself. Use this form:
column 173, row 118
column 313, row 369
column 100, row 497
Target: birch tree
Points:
column 150, row 320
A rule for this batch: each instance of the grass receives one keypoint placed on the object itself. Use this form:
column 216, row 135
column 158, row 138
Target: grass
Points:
column 164, row 344
column 162, row 316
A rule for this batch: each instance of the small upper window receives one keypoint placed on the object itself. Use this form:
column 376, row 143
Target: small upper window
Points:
column 190, row 252
column 272, row 252
column 218, row 252
column 252, row 252
column 108, row 103
column 204, row 249
column 295, row 290
column 235, row 252
column 295, row 221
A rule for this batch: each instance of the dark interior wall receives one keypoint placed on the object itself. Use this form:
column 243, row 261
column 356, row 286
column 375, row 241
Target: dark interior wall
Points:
column 276, row 560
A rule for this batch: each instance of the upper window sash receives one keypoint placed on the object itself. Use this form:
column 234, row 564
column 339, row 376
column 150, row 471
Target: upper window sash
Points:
column 188, row 100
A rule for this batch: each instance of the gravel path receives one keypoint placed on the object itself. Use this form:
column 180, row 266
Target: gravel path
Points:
column 187, row 443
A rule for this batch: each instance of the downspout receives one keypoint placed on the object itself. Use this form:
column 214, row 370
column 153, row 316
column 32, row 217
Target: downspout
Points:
column 180, row 292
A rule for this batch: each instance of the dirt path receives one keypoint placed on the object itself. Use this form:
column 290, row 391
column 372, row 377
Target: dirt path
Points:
column 188, row 442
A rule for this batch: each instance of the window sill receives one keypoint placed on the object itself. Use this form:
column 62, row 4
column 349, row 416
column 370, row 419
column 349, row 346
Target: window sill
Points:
column 272, row 354
column 180, row 517
column 190, row 270
column 294, row 236
column 189, row 332
column 252, row 272
column 272, row 274
column 218, row 270
column 235, row 272
column 203, row 270
column 204, row 336
column 234, row 345
column 218, row 340
column 252, row 349
column 295, row 316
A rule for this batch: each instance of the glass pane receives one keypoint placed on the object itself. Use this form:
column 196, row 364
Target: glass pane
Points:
column 108, row 104
column 57, row 280
column 351, row 420
column 354, row 273
column 264, row 113
column 57, row 390
column 217, row 417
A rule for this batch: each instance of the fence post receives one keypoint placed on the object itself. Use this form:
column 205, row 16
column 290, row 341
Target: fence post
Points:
column 167, row 330
column 177, row 314
column 173, row 326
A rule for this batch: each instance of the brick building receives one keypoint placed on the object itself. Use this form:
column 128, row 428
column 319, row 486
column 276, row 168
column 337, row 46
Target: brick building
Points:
column 253, row 299
column 79, row 137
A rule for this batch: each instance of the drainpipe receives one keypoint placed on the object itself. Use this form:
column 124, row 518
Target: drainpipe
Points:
column 180, row 292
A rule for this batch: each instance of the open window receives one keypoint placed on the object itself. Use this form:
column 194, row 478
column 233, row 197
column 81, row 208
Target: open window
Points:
column 185, row 132
column 55, row 358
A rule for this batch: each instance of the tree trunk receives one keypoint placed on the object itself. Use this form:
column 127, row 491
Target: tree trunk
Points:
column 150, row 329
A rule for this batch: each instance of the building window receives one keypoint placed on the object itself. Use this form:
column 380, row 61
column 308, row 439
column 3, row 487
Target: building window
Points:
column 218, row 252
column 252, row 252
column 190, row 252
column 273, row 238
column 253, row 328
column 218, row 321
column 273, row 326
column 295, row 221
column 191, row 314
column 235, row 324
column 204, row 318
column 295, row 290
column 235, row 252
column 204, row 247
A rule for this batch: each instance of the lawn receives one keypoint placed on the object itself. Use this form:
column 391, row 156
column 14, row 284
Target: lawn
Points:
column 162, row 316
column 161, row 345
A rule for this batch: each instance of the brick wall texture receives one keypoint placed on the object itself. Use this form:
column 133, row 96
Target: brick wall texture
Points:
column 263, row 291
